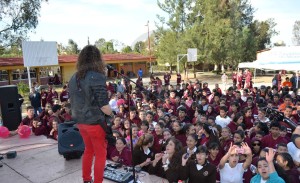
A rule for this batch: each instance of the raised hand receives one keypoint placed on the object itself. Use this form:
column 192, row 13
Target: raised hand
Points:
column 158, row 156
column 232, row 149
column 247, row 149
column 165, row 157
column 270, row 155
column 184, row 160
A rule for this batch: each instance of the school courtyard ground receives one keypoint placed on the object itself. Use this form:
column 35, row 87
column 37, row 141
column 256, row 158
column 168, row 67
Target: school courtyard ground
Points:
column 38, row 160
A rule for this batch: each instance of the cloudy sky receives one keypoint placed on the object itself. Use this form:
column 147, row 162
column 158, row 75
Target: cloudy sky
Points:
column 125, row 20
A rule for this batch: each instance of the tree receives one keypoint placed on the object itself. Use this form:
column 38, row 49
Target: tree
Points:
column 139, row 47
column 100, row 43
column 127, row 49
column 296, row 33
column 107, row 46
column 263, row 32
column 72, row 47
column 17, row 18
column 223, row 31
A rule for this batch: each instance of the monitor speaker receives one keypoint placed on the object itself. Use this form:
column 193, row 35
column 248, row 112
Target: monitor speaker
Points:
column 10, row 107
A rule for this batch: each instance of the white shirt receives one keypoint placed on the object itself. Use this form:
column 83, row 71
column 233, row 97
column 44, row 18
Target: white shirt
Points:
column 113, row 105
column 262, row 180
column 194, row 150
column 232, row 175
column 223, row 122
column 294, row 151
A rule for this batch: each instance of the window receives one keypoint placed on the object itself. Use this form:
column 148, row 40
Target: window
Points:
column 3, row 75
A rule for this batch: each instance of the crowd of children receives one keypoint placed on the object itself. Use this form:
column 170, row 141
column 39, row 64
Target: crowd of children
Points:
column 190, row 131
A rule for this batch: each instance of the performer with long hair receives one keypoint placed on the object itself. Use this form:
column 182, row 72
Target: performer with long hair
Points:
column 90, row 103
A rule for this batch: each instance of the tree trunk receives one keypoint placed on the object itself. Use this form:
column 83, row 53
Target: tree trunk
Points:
column 222, row 68
column 216, row 67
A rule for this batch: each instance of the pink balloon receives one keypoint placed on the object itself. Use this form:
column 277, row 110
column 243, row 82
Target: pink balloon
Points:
column 24, row 131
column 120, row 102
column 4, row 132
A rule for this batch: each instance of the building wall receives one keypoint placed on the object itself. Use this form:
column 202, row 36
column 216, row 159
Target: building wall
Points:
column 68, row 69
column 67, row 72
column 137, row 66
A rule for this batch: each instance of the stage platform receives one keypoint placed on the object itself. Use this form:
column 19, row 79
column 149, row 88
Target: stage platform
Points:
column 38, row 161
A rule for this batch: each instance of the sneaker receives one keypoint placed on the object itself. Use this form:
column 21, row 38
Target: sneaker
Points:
column 91, row 181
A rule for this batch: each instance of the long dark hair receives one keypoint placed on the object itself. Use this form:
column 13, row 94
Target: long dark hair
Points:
column 213, row 134
column 175, row 161
column 90, row 59
column 280, row 171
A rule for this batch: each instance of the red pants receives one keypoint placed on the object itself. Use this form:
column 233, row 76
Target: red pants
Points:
column 95, row 145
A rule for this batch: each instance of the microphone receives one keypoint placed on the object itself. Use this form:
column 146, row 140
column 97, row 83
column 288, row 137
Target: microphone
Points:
column 110, row 67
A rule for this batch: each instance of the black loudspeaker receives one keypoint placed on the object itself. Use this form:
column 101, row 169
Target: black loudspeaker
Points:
column 70, row 142
column 10, row 107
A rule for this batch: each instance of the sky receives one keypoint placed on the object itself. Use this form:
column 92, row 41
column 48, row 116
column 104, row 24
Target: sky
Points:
column 125, row 20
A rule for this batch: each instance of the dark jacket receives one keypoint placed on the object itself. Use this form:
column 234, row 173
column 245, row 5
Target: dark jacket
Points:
column 35, row 100
column 172, row 174
column 207, row 174
column 87, row 97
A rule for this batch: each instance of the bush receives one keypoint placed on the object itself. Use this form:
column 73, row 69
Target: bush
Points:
column 23, row 88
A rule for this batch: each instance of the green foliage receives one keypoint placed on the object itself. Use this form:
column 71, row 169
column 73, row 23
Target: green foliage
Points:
column 11, row 51
column 127, row 49
column 107, row 46
column 223, row 31
column 23, row 88
column 139, row 47
column 17, row 18
column 72, row 47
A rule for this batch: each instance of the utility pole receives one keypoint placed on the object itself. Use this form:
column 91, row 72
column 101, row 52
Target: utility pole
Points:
column 149, row 48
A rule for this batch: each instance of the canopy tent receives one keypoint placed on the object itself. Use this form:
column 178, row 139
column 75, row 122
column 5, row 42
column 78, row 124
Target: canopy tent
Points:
column 278, row 58
column 247, row 65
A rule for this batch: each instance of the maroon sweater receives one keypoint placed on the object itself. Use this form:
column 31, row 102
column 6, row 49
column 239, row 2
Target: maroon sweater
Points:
column 41, row 130
column 27, row 121
column 181, row 138
column 249, row 122
column 124, row 156
column 64, row 96
column 232, row 126
column 268, row 141
column 157, row 145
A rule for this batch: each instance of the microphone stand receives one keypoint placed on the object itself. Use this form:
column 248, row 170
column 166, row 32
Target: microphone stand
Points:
column 130, row 122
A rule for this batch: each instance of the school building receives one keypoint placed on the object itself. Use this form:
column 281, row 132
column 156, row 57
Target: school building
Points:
column 12, row 70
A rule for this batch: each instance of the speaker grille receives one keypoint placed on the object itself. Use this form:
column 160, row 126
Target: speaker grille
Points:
column 71, row 140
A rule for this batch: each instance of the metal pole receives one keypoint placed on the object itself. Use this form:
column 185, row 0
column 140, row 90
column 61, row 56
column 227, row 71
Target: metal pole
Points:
column 149, row 48
column 177, row 63
column 194, row 71
column 254, row 80
column 29, row 79
column 297, row 75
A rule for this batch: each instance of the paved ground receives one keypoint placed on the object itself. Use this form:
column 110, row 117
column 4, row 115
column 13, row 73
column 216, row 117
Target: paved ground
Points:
column 38, row 161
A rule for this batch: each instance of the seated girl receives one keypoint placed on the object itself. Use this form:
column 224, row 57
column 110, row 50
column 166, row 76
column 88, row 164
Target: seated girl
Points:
column 121, row 154
column 142, row 152
column 167, row 165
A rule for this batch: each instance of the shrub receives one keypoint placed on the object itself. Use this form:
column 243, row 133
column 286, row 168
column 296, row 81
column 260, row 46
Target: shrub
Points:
column 23, row 88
